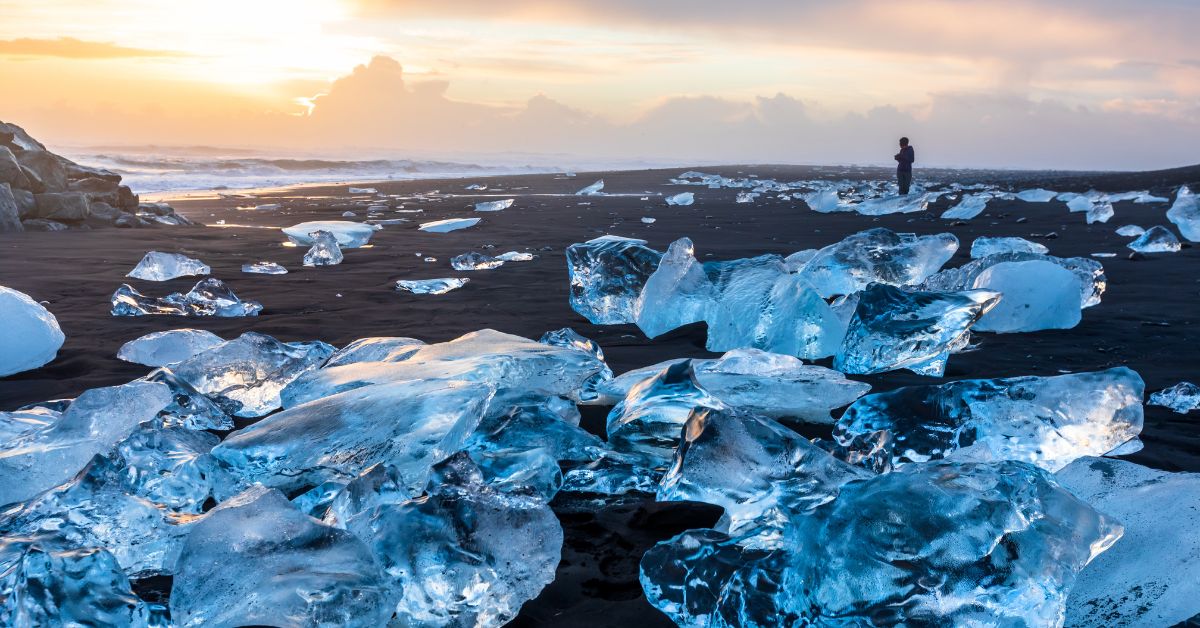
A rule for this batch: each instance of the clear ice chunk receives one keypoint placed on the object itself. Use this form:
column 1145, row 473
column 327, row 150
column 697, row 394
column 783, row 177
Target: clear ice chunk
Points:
column 984, row 246
column 1092, row 281
column 264, row 268
column 515, row 256
column 1037, row 195
column 1037, row 295
column 189, row 407
column 349, row 234
column 825, row 201
column 877, row 256
column 325, row 250
column 475, row 261
column 31, row 336
column 209, row 297
column 494, row 206
column 607, row 275
column 159, row 266
column 256, row 559
column 1100, row 212
column 676, row 294
column 764, row 307
column 1182, row 397
column 969, row 207
column 431, row 286
column 570, row 339
column 1156, row 239
column 448, row 225
column 683, row 198
column 244, row 376
column 170, row 466
column 649, row 420
column 906, row 204
column 162, row 348
column 1130, row 231
column 893, row 329
column 1185, row 213
column 592, row 190
column 354, row 190
column 375, row 349
column 777, row 386
column 1046, row 421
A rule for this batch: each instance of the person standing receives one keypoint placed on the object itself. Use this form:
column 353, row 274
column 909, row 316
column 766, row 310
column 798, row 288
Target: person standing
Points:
column 904, row 162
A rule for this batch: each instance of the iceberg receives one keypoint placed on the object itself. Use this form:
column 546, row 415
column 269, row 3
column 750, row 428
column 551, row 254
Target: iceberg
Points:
column 431, row 286
column 448, row 225
column 158, row 266
column 877, row 256
column 494, row 206
column 244, row 376
column 1046, row 421
column 1130, row 231
column 1156, row 239
column 649, row 420
column 592, row 190
column 1151, row 576
column 475, row 261
column 349, row 234
column 1185, row 214
column 607, row 275
column 1036, row 195
column 209, row 297
column 375, row 349
column 684, row 198
column 1038, row 295
column 256, row 559
column 893, row 329
column 162, row 348
column 984, row 246
column 1182, row 397
column 969, row 207
column 325, row 250
column 677, row 293
column 31, row 336
column 1092, row 281
column 264, row 268
column 746, row 197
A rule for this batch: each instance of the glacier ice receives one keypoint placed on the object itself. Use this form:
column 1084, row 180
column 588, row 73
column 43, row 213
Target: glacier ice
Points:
column 592, row 190
column 354, row 190
column 1080, row 203
column 683, row 198
column 448, row 225
column 209, row 297
column 893, row 329
column 189, row 408
column 494, row 206
column 906, row 204
column 161, row 348
column 1182, row 397
column 969, row 207
column 677, row 293
column 159, row 266
column 746, row 197
column 349, row 234
column 1092, row 281
column 649, row 420
column 1046, row 421
column 244, row 376
column 31, row 336
column 601, row 373
column 256, row 559
column 984, row 246
column 1185, row 213
column 1036, row 195
column 825, row 201
column 264, row 268
column 1037, row 295
column 607, row 275
column 431, row 286
column 880, row 256
column 1130, row 231
column 170, row 466
column 375, row 349
column 475, row 261
column 1151, row 576
column 99, row 418
column 1156, row 239
column 325, row 250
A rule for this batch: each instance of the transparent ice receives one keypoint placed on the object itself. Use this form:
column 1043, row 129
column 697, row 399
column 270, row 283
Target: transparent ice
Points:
column 189, row 408
column 264, row 268
column 349, row 234
column 158, row 266
column 431, row 286
column 1156, row 239
column 877, row 256
column 592, row 190
column 984, row 246
column 1185, row 213
column 969, row 207
column 683, row 198
column 209, row 297
column 375, row 349
column 649, row 420
column 450, row 224
column 1130, row 231
column 825, row 201
column 1036, row 195
column 170, row 466
column 607, row 275
column 909, row 203
column 1182, row 397
column 31, row 335
column 475, row 261
column 1037, row 295
column 494, row 206
column 161, row 348
column 325, row 250
column 1092, row 281
column 676, row 294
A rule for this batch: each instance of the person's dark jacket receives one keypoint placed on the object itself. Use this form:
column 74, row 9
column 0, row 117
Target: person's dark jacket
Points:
column 905, row 159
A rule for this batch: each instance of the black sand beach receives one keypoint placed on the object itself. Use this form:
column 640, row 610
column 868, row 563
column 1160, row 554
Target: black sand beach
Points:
column 1149, row 319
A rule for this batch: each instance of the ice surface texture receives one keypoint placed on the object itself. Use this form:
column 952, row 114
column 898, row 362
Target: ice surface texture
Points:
column 1037, row 295
column 450, row 224
column 1156, row 239
column 1182, row 397
column 1185, row 213
column 431, row 286
column 31, row 335
column 264, row 268
column 349, row 234
column 1092, row 281
column 325, row 250
column 494, row 206
column 158, row 266
column 209, row 297
column 607, row 275
column 161, row 348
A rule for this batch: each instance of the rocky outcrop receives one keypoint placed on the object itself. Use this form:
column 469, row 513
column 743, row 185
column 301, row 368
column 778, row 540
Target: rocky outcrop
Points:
column 42, row 191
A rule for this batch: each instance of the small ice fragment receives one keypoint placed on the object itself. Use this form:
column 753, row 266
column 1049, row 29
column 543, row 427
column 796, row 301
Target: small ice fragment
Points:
column 1103, row 254
column 267, row 207
column 648, row 221
column 1037, row 195
column 515, row 256
column 494, row 206
column 984, row 246
column 1130, row 231
column 31, row 336
column 592, row 190
column 325, row 250
column 1038, row 295
column 161, row 348
column 969, row 207
column 683, row 198
column 825, row 201
column 354, row 190
column 476, row 186
column 349, row 234
column 158, row 266
column 746, row 197
column 1157, row 239
column 450, row 224
column 264, row 268
column 431, row 286
column 1182, row 397
column 209, row 297
column 1079, row 203
column 475, row 261
column 907, row 204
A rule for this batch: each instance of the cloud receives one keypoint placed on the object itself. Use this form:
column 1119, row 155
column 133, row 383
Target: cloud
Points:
column 71, row 48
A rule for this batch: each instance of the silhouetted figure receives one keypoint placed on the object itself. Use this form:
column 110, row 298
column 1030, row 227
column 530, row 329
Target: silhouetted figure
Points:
column 904, row 162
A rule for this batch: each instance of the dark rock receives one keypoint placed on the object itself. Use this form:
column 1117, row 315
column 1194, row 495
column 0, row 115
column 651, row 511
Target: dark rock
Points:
column 36, row 185
column 102, row 214
column 158, row 209
column 126, row 199
column 41, row 224
column 26, row 203
column 77, row 172
column 62, row 206
column 92, row 185
column 10, row 169
column 47, row 166
column 16, row 138
column 10, row 216
column 129, row 221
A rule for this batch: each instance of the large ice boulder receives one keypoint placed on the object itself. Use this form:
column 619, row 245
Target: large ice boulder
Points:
column 1037, row 295
column 31, row 335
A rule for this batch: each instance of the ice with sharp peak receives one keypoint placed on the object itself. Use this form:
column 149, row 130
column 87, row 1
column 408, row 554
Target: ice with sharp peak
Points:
column 1151, row 576
column 431, row 286
column 592, row 190
column 895, row 329
column 325, row 250
column 1079, row 203
column 1182, row 397
column 594, row 361
column 970, row 206
column 984, row 246
column 778, row 386
column 375, row 349
column 607, row 275
column 683, row 198
column 677, row 293
column 1130, row 231
column 162, row 348
column 189, row 407
column 448, row 225
column 159, row 266
column 649, row 420
column 1037, row 295
column 245, row 376
column 349, row 234
column 1036, row 195
column 264, row 268
column 1092, row 281
column 31, row 335
column 475, row 261
column 256, row 559
column 1185, row 214
column 1156, row 239
column 494, row 206
column 1046, row 421
column 209, row 297
column 877, row 256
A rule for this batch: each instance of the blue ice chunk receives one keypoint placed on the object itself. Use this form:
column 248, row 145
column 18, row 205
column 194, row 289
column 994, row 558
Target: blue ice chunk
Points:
column 209, row 297
column 607, row 275
column 877, row 256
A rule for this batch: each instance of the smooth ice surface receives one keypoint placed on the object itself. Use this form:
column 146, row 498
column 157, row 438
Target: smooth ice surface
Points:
column 649, row 420
column 1151, row 576
column 592, row 190
column 909, row 203
column 1092, row 281
column 1037, row 295
column 607, row 275
column 1047, row 421
column 98, row 419
column 325, row 250
column 431, row 286
column 515, row 256
column 877, row 256
column 1080, row 203
column 1182, row 397
column 209, row 297
column 984, row 246
column 825, row 201
column 475, row 261
column 161, row 348
column 776, row 385
column 1130, row 231
column 245, row 375
column 676, row 294
column 264, row 268
column 450, row 224
column 158, row 266
column 494, row 206
column 1185, row 213
column 1156, row 239
column 969, row 207
column 893, row 329
column 255, row 559
column 349, row 234
column 31, row 335
column 375, row 349
column 1036, row 195
column 465, row 554
column 683, row 198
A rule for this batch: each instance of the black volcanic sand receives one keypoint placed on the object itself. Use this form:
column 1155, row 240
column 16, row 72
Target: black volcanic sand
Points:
column 1149, row 319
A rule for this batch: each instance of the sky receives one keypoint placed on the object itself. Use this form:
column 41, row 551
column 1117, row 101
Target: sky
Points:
column 1071, row 84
